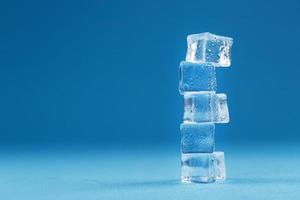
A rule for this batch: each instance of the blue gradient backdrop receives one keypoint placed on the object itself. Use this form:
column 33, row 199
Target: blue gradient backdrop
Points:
column 106, row 72
column 90, row 108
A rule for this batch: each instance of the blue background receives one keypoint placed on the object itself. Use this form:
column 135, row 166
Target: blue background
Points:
column 103, row 75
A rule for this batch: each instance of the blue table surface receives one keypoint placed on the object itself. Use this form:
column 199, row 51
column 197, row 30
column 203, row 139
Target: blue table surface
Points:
column 252, row 173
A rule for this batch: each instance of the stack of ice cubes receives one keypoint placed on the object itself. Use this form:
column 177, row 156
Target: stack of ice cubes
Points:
column 203, row 107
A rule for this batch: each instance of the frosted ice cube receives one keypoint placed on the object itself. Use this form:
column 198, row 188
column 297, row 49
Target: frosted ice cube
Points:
column 209, row 48
column 197, row 77
column 197, row 137
column 202, row 167
column 205, row 107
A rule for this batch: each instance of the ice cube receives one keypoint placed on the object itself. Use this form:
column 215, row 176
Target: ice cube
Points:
column 202, row 167
column 209, row 48
column 200, row 106
column 205, row 107
column 197, row 137
column 197, row 77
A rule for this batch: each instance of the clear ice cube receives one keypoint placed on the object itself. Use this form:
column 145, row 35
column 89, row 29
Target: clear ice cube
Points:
column 202, row 167
column 205, row 107
column 197, row 77
column 197, row 137
column 209, row 48
column 200, row 107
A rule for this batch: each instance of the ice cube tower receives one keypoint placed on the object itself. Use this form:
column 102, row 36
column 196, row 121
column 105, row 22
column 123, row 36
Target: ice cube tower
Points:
column 203, row 107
